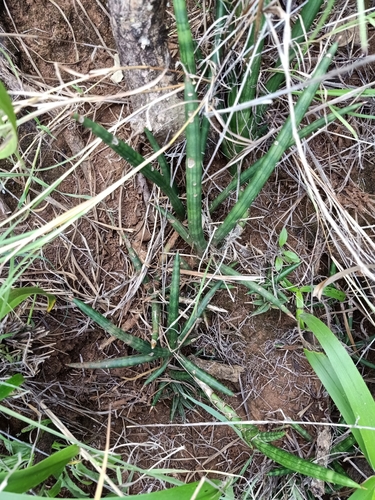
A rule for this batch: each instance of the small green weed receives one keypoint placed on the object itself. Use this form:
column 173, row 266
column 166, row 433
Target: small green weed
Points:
column 277, row 282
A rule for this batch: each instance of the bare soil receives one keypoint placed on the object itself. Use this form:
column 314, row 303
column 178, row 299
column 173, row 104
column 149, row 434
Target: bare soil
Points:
column 90, row 261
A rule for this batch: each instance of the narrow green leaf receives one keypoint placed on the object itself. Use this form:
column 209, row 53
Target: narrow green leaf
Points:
column 274, row 154
column 243, row 89
column 174, row 296
column 269, row 436
column 22, row 481
column 122, row 362
column 227, row 413
column 157, row 373
column 285, row 272
column 163, row 385
column 299, row 30
column 193, row 137
column 176, row 224
column 155, row 318
column 301, row 466
column 8, row 129
column 200, row 374
column 185, row 39
column 136, row 261
column 220, row 10
column 164, row 167
column 332, row 292
column 193, row 168
column 136, row 343
column 354, row 400
column 362, row 24
column 199, row 309
column 134, row 159
column 249, row 173
column 8, row 386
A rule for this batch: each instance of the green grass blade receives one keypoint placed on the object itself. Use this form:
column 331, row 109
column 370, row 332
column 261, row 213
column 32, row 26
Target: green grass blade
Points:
column 258, row 289
column 174, row 296
column 274, row 154
column 136, row 343
column 215, row 58
column 301, row 466
column 323, row 19
column 349, row 391
column 136, row 261
column 158, row 394
column 241, row 122
column 225, row 413
column 22, row 481
column 122, row 362
column 134, row 159
column 248, row 174
column 362, row 24
column 8, row 386
column 200, row 374
column 8, row 124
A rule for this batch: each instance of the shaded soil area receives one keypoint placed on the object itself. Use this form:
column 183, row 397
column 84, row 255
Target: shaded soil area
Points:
column 89, row 261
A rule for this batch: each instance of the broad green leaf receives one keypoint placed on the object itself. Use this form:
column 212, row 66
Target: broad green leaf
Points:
column 22, row 481
column 332, row 292
column 349, row 391
column 206, row 491
column 18, row 295
column 283, row 237
column 291, row 257
column 278, row 263
column 10, row 384
column 8, row 125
